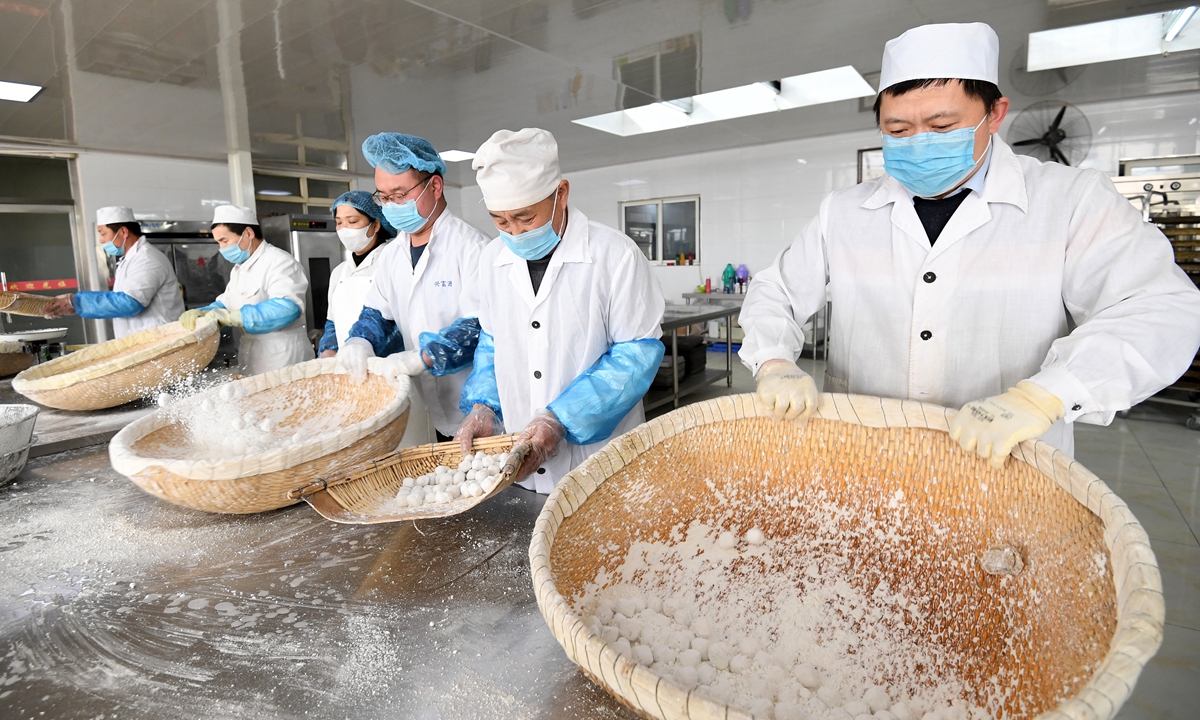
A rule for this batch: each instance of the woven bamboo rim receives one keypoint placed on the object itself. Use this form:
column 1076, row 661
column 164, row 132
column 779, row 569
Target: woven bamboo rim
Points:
column 864, row 434
column 120, row 371
column 19, row 303
column 15, row 362
column 147, row 450
column 361, row 496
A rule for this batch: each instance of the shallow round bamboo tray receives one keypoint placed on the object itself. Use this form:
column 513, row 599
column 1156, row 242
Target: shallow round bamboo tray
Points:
column 120, row 371
column 19, row 303
column 1088, row 636
column 155, row 451
column 362, row 496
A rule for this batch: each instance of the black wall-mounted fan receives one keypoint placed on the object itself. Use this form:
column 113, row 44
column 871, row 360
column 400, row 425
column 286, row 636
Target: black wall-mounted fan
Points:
column 1051, row 130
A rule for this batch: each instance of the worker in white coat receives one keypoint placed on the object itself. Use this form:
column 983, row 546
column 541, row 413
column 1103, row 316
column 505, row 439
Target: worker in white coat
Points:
column 425, row 280
column 570, row 319
column 1029, row 294
column 264, row 297
column 145, row 291
column 364, row 232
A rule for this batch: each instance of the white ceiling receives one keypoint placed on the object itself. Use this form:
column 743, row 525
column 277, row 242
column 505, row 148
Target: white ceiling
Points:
column 144, row 75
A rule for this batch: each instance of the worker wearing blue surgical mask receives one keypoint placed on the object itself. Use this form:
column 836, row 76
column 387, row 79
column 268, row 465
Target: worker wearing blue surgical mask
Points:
column 1031, row 295
column 570, row 327
column 264, row 299
column 425, row 281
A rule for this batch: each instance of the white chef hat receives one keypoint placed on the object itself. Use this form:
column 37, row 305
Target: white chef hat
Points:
column 517, row 169
column 965, row 51
column 113, row 215
column 234, row 214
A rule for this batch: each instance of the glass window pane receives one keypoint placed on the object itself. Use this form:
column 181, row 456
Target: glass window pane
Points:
column 680, row 236
column 266, row 208
column 276, row 186
column 326, row 188
column 326, row 158
column 30, row 178
column 641, row 224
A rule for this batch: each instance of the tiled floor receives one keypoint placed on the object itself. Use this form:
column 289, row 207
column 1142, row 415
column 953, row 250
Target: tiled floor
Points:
column 1153, row 462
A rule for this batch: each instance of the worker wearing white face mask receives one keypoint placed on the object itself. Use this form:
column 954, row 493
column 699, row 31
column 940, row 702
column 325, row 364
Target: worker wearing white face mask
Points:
column 957, row 276
column 425, row 281
column 264, row 297
column 363, row 231
column 570, row 326
column 145, row 291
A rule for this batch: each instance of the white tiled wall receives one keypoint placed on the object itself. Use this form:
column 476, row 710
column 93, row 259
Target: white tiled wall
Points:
column 755, row 200
column 156, row 188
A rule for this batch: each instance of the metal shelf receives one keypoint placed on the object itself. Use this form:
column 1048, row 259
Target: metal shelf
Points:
column 689, row 384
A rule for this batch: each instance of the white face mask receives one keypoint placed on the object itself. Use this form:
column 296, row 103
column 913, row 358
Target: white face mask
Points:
column 355, row 239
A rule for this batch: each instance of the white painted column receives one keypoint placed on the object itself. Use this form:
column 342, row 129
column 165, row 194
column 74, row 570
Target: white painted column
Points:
column 233, row 95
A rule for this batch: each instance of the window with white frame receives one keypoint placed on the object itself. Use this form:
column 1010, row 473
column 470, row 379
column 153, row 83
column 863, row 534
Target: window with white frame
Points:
column 666, row 229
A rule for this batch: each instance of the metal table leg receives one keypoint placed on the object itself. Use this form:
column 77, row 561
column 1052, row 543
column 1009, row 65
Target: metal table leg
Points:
column 674, row 363
column 729, row 350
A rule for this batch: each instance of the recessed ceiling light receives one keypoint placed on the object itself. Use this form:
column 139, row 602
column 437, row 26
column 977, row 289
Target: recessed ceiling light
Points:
column 456, row 155
column 1139, row 36
column 758, row 98
column 627, row 183
column 802, row 161
column 18, row 92
column 275, row 193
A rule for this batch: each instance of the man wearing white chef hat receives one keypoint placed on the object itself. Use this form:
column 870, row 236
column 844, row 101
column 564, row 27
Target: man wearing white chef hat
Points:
column 1030, row 294
column 569, row 316
column 145, row 292
column 264, row 297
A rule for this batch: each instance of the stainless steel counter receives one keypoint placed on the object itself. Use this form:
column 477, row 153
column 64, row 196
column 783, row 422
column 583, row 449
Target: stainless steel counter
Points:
column 115, row 603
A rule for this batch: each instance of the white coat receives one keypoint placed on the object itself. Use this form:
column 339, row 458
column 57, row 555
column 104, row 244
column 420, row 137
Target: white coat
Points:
column 145, row 274
column 429, row 297
column 598, row 290
column 269, row 273
column 992, row 302
column 349, row 285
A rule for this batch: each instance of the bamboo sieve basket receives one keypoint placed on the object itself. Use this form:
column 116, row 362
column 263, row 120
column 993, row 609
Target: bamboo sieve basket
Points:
column 1077, row 652
column 157, row 453
column 361, row 496
column 120, row 371
column 19, row 303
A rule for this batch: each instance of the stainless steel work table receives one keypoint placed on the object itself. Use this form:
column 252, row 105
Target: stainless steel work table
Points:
column 680, row 316
column 116, row 604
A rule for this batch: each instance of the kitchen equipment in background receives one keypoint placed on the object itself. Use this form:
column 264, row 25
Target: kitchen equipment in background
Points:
column 1166, row 190
column 199, row 267
column 313, row 241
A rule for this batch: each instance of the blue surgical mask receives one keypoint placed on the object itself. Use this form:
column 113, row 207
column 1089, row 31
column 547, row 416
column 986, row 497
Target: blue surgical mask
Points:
column 112, row 249
column 932, row 163
column 235, row 254
column 404, row 217
column 537, row 243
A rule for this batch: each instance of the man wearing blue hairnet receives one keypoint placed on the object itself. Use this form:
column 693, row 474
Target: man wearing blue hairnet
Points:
column 424, row 282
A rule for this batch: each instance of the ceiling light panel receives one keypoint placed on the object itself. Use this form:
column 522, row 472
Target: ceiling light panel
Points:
column 18, row 92
column 1139, row 36
column 456, row 155
column 844, row 83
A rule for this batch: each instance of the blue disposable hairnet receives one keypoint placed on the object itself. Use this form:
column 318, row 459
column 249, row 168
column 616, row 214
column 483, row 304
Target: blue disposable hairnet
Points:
column 397, row 153
column 361, row 201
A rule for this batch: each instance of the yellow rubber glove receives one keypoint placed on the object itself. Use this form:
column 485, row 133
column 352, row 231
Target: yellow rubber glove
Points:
column 227, row 318
column 790, row 392
column 188, row 319
column 992, row 427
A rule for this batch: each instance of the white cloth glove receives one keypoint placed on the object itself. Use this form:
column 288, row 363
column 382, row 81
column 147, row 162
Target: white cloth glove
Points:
column 790, row 392
column 352, row 358
column 992, row 427
column 408, row 363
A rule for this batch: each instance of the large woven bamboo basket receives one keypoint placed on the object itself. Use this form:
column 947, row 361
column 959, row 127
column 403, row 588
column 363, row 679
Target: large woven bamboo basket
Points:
column 120, row 371
column 14, row 361
column 1075, row 626
column 363, row 495
column 19, row 303
column 344, row 424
